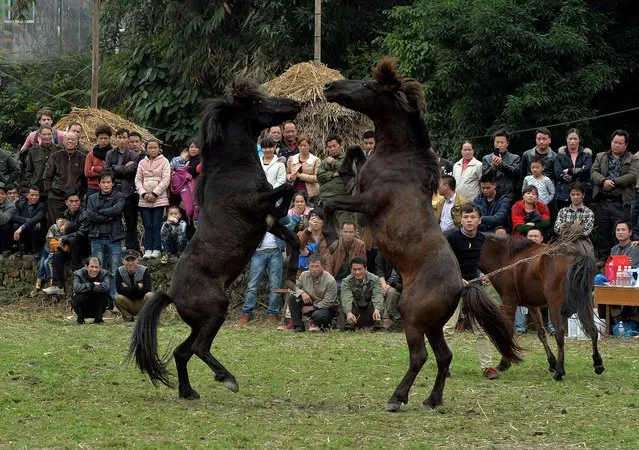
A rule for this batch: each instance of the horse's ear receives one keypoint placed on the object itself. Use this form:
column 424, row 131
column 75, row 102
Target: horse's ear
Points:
column 212, row 121
column 242, row 91
column 414, row 93
column 386, row 73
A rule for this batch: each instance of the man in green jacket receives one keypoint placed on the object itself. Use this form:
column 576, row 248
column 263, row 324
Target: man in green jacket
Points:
column 331, row 184
column 362, row 296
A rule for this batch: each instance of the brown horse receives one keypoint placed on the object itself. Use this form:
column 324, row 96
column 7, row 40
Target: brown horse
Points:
column 395, row 189
column 561, row 281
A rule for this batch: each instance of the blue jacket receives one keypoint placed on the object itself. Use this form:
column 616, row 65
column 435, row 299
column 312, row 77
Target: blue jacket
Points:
column 494, row 214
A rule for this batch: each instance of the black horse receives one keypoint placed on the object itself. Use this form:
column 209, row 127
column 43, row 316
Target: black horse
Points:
column 395, row 190
column 235, row 200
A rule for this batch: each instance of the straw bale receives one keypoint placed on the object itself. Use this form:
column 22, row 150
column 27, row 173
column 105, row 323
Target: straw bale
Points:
column 90, row 118
column 304, row 82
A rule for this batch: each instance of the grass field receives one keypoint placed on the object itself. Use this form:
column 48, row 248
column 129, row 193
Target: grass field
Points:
column 65, row 386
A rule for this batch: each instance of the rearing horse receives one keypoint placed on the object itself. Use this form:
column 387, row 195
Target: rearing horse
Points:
column 395, row 190
column 235, row 199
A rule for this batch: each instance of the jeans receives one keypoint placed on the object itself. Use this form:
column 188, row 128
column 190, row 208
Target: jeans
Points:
column 174, row 238
column 44, row 268
column 273, row 261
column 520, row 321
column 152, row 220
column 103, row 248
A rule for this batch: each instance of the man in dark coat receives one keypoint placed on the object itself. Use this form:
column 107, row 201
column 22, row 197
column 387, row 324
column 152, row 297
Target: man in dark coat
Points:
column 30, row 223
column 91, row 286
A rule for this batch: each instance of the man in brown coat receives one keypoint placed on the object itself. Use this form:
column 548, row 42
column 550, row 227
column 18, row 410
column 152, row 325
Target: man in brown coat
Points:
column 348, row 247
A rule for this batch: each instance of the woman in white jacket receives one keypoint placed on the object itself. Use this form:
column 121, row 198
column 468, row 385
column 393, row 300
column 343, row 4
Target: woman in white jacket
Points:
column 467, row 172
column 274, row 170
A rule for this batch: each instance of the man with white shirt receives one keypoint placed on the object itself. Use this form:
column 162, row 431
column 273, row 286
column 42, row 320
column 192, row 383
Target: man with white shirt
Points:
column 448, row 208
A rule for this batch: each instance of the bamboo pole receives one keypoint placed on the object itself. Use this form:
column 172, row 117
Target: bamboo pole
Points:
column 95, row 52
column 318, row 32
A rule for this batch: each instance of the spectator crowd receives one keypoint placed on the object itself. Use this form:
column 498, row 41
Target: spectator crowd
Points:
column 69, row 205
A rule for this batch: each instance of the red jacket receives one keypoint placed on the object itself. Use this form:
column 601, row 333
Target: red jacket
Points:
column 519, row 213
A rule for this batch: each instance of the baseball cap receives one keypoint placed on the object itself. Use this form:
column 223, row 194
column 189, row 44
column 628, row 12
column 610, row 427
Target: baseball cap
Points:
column 130, row 254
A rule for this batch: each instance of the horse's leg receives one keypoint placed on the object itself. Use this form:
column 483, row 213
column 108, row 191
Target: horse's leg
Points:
column 359, row 203
column 202, row 348
column 509, row 304
column 182, row 355
column 444, row 356
column 541, row 334
column 596, row 357
column 417, row 355
column 554, row 309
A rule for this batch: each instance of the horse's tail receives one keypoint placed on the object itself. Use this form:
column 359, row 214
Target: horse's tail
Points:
column 144, row 342
column 578, row 293
column 481, row 310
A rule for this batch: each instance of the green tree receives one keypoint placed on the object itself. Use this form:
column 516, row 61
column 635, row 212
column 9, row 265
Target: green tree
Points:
column 511, row 63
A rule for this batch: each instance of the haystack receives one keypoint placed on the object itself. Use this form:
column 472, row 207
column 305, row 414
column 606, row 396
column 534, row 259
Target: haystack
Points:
column 90, row 118
column 305, row 82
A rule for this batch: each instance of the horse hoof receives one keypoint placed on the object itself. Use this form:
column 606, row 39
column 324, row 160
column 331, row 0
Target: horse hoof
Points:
column 431, row 404
column 189, row 394
column 558, row 376
column 393, row 407
column 502, row 367
column 599, row 369
column 231, row 385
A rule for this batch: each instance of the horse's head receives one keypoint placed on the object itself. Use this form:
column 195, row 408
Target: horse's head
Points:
column 387, row 87
column 245, row 102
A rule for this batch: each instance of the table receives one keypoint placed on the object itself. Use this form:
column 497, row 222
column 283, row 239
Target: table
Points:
column 615, row 295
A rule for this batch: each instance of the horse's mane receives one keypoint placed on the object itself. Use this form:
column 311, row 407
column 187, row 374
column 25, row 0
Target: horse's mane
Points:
column 512, row 245
column 215, row 111
column 409, row 97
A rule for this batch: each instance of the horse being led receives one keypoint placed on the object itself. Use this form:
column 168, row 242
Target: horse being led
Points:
column 395, row 190
column 563, row 282
column 235, row 200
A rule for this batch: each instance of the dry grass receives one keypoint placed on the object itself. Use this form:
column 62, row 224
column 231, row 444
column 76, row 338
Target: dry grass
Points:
column 305, row 82
column 90, row 118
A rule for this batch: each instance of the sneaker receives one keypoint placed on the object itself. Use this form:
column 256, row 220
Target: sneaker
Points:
column 164, row 259
column 312, row 328
column 155, row 254
column 491, row 374
column 285, row 324
column 271, row 319
column 53, row 290
column 147, row 254
column 244, row 319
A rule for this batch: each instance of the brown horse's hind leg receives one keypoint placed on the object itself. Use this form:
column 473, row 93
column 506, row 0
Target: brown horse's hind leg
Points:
column 418, row 356
column 554, row 309
column 541, row 334
column 202, row 348
column 444, row 356
column 182, row 355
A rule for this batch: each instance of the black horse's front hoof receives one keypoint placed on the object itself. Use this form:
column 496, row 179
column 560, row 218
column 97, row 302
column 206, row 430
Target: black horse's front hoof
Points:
column 231, row 384
column 393, row 406
column 189, row 394
column 599, row 369
column 431, row 403
column 558, row 376
column 502, row 367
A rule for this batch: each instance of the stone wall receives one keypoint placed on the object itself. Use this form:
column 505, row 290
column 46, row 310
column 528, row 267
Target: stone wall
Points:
column 18, row 277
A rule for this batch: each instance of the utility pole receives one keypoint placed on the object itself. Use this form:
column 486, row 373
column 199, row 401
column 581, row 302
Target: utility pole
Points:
column 95, row 52
column 318, row 32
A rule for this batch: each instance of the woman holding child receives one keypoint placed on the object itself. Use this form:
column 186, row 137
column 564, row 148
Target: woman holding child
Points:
column 529, row 212
column 151, row 181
